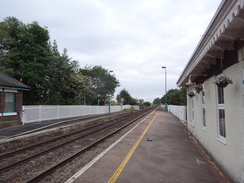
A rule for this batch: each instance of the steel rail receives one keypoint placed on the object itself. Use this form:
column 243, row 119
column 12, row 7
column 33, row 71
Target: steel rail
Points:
column 51, row 169
column 61, row 123
column 50, row 140
column 107, row 123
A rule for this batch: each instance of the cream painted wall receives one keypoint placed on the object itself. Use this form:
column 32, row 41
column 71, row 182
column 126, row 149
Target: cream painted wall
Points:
column 229, row 154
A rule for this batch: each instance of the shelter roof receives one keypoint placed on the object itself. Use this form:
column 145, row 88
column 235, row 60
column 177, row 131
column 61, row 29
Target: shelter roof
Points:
column 9, row 82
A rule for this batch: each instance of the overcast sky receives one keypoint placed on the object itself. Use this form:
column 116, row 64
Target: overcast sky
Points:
column 133, row 38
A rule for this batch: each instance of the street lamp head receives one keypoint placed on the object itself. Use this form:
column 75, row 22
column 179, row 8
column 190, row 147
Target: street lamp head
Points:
column 111, row 71
column 163, row 67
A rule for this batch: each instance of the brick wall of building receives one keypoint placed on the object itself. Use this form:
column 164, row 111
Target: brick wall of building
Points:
column 19, row 99
column 1, row 102
column 18, row 107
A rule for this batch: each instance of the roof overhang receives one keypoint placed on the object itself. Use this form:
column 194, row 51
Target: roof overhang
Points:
column 14, row 88
column 226, row 27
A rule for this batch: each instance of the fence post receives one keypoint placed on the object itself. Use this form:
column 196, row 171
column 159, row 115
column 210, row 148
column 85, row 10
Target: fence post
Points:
column 40, row 113
column 23, row 115
column 58, row 111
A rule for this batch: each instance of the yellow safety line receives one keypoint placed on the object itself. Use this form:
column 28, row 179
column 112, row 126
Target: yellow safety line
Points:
column 125, row 161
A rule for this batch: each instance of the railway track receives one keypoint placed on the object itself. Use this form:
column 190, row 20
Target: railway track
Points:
column 65, row 122
column 35, row 162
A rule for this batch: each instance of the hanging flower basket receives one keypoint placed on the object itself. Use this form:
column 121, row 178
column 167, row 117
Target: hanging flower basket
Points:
column 198, row 88
column 222, row 84
column 223, row 81
column 191, row 94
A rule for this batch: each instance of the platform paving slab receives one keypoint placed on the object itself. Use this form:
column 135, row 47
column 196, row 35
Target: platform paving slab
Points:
column 165, row 154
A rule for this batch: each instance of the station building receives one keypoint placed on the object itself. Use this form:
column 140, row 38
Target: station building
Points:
column 11, row 95
column 215, row 113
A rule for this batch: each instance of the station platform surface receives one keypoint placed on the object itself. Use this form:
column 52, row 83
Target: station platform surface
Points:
column 157, row 150
column 31, row 127
column 21, row 129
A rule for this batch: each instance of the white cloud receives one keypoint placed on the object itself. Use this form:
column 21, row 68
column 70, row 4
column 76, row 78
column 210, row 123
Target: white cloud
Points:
column 134, row 38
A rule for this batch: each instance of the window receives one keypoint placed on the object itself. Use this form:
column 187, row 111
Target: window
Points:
column 204, row 118
column 203, row 111
column 192, row 109
column 222, row 131
column 9, row 102
column 220, row 95
column 221, row 114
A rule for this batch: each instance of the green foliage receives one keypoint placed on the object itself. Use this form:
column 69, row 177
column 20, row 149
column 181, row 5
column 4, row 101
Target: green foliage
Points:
column 157, row 101
column 130, row 109
column 175, row 97
column 27, row 55
column 103, row 83
column 127, row 98
column 147, row 104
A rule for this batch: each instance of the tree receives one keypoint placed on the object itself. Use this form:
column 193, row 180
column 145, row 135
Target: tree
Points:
column 157, row 101
column 127, row 98
column 65, row 83
column 175, row 97
column 147, row 104
column 27, row 55
column 73, row 95
column 183, row 100
column 103, row 83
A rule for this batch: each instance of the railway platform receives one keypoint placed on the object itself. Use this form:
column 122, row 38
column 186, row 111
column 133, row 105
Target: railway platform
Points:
column 32, row 127
column 157, row 150
column 22, row 129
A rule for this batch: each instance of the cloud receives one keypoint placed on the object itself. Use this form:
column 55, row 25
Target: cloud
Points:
column 134, row 38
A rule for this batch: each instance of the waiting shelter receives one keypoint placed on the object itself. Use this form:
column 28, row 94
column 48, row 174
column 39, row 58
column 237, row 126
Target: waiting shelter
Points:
column 11, row 97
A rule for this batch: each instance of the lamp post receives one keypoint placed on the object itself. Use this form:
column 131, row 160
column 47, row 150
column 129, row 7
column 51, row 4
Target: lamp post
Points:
column 109, row 99
column 165, row 99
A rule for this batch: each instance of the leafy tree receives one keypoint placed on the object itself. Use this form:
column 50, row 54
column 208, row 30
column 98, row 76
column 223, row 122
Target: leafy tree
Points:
column 127, row 98
column 103, row 83
column 27, row 55
column 175, row 97
column 65, row 83
column 157, row 101
column 140, row 101
column 183, row 98
column 147, row 104
column 133, row 102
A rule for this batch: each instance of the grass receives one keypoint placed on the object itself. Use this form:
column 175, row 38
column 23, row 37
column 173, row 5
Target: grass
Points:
column 129, row 109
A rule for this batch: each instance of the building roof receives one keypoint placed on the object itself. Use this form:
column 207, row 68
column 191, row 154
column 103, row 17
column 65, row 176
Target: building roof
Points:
column 225, row 28
column 9, row 82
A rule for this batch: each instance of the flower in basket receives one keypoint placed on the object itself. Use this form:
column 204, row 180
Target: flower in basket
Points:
column 191, row 94
column 223, row 81
column 198, row 88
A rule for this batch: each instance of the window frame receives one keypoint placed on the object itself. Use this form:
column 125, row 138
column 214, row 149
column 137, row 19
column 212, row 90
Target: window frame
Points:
column 203, row 110
column 221, row 122
column 13, row 103
column 192, row 112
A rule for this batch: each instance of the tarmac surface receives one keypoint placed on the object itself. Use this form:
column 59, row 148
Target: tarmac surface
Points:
column 22, row 129
column 7, row 132
column 157, row 150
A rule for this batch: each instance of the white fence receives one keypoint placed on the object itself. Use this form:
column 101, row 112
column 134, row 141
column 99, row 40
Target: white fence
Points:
column 38, row 113
column 179, row 111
